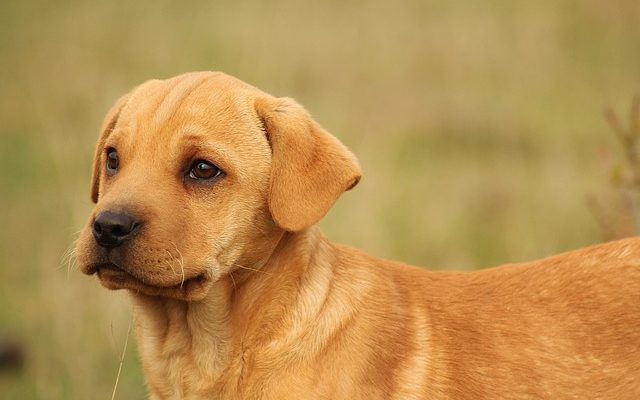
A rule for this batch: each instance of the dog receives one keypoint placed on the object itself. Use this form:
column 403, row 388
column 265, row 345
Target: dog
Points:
column 208, row 192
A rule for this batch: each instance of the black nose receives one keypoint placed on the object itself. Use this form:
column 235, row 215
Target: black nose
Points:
column 111, row 229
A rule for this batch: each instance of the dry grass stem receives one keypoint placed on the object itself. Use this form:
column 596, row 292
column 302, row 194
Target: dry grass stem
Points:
column 124, row 351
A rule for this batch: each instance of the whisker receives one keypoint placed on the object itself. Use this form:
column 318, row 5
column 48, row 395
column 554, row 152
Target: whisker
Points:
column 74, row 262
column 169, row 262
column 181, row 262
column 251, row 269
column 233, row 281
column 69, row 259
column 66, row 256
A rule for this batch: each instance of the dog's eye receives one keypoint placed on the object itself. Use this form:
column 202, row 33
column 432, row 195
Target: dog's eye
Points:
column 203, row 170
column 112, row 161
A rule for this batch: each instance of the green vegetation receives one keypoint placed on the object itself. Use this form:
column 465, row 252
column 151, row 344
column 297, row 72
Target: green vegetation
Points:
column 478, row 125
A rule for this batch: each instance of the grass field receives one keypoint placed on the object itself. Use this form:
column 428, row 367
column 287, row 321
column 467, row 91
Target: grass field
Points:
column 478, row 125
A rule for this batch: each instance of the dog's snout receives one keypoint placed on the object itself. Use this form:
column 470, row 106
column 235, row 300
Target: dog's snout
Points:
column 111, row 229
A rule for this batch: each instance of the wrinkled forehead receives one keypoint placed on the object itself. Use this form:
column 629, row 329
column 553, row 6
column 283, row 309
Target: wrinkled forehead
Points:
column 200, row 95
column 208, row 104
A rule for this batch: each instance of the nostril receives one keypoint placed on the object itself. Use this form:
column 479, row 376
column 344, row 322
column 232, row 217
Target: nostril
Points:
column 123, row 230
column 134, row 227
column 97, row 228
column 119, row 230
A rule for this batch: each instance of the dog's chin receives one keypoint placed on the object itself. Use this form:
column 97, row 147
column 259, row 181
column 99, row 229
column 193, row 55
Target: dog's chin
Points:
column 193, row 289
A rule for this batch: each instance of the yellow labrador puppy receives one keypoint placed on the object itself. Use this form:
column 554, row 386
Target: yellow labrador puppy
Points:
column 207, row 193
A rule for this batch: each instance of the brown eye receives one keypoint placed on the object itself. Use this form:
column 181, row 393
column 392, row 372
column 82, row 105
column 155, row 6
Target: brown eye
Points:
column 203, row 170
column 112, row 162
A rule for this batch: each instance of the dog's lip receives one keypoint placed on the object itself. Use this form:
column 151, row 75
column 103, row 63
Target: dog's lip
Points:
column 96, row 267
column 101, row 266
column 114, row 277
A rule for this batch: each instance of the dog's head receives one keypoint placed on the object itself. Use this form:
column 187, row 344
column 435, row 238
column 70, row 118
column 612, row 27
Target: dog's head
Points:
column 200, row 174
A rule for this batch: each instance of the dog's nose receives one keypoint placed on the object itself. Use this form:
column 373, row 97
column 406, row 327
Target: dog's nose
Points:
column 111, row 229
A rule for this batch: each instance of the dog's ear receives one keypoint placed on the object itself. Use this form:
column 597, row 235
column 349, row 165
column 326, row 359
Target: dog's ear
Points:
column 310, row 167
column 109, row 123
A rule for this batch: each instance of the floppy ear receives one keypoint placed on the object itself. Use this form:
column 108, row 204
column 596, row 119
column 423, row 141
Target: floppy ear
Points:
column 109, row 123
column 310, row 167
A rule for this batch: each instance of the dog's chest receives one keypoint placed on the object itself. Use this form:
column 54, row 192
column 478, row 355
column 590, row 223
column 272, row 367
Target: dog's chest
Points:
column 246, row 375
column 180, row 375
column 178, row 379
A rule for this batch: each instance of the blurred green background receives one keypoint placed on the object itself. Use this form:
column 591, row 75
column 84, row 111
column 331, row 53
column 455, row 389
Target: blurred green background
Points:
column 478, row 126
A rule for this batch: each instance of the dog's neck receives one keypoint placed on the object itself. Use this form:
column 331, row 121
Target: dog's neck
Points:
column 247, row 309
column 175, row 336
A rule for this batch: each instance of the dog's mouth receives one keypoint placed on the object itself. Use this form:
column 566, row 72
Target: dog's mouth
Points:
column 113, row 277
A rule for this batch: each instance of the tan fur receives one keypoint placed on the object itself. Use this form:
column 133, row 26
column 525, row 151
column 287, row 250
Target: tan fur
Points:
column 237, row 295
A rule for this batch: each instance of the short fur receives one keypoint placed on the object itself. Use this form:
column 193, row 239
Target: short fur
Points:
column 237, row 295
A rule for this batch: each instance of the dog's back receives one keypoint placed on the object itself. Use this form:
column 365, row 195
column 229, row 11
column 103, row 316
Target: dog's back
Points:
column 562, row 327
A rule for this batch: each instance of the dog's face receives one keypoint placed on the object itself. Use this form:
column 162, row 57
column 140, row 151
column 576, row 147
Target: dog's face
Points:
column 201, row 174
